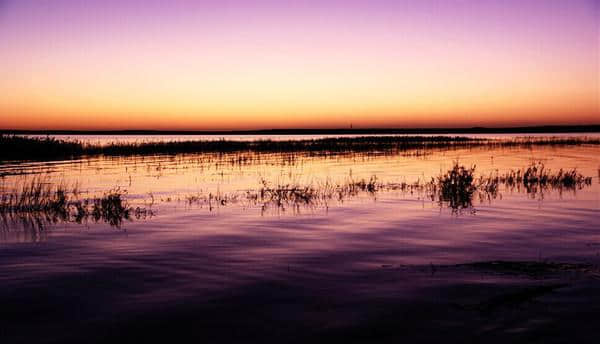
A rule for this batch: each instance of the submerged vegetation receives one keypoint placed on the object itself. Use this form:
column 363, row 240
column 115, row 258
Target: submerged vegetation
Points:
column 458, row 186
column 13, row 147
column 455, row 189
column 38, row 203
column 537, row 175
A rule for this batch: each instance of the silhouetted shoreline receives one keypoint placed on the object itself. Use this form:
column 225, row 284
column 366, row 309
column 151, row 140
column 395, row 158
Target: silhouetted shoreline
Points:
column 14, row 147
column 551, row 129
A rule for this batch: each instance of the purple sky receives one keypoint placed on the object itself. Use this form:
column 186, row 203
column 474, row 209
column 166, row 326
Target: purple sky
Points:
column 248, row 64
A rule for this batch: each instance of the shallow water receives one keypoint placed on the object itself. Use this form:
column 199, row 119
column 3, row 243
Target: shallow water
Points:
column 388, row 220
column 198, row 249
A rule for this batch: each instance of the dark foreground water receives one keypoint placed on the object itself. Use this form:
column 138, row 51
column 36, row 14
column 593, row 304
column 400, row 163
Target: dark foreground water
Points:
column 212, row 264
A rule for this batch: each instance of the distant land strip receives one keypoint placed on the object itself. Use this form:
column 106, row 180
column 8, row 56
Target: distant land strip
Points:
column 550, row 129
column 21, row 148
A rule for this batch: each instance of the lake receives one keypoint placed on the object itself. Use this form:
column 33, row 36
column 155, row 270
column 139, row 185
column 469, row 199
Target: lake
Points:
column 209, row 248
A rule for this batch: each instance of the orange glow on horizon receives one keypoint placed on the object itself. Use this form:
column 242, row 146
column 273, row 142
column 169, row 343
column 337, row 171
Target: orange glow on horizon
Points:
column 229, row 72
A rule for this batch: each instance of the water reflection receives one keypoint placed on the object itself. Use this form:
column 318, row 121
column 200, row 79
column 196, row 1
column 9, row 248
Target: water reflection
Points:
column 40, row 203
column 298, row 239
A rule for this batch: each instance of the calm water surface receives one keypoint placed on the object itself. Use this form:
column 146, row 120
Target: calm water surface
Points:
column 385, row 227
column 192, row 251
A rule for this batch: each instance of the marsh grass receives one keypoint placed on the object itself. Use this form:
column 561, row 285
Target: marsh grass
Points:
column 39, row 202
column 14, row 148
column 294, row 195
column 535, row 180
column 455, row 189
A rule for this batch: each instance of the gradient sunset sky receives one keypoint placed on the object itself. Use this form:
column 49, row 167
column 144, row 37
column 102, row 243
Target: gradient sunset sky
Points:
column 247, row 64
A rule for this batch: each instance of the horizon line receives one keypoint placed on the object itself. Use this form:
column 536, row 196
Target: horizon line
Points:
column 580, row 128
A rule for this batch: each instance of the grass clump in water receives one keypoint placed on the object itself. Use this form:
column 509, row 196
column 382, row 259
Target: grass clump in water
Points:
column 537, row 178
column 40, row 202
column 456, row 187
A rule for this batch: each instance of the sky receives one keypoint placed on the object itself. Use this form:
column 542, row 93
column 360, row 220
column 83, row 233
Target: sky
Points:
column 251, row 64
